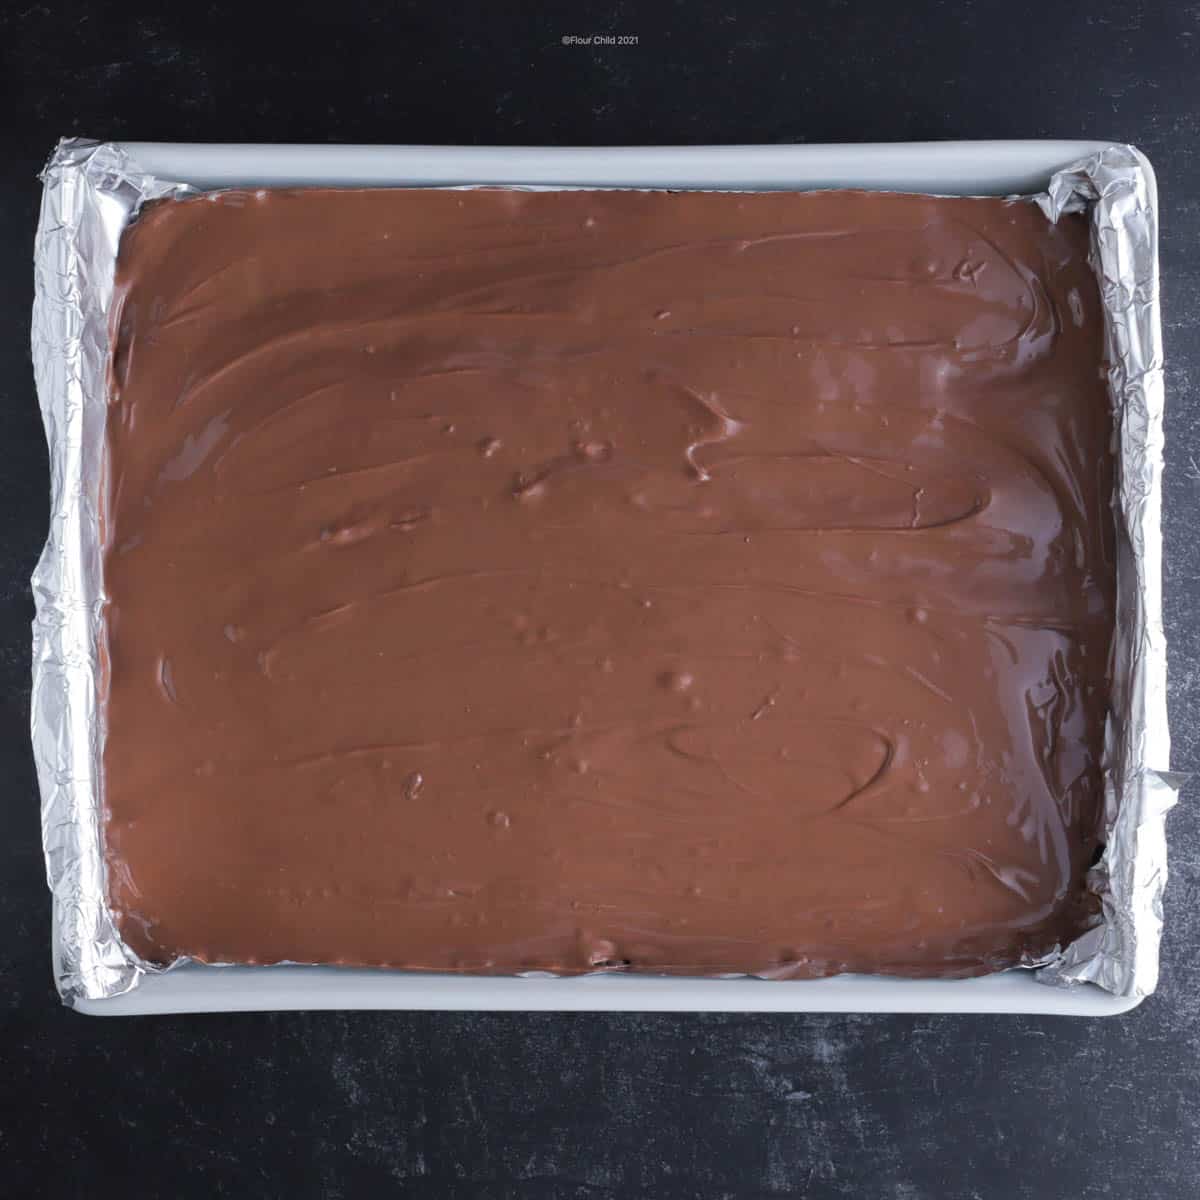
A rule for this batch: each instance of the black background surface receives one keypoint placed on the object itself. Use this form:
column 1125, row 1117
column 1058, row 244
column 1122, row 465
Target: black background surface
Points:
column 594, row 1106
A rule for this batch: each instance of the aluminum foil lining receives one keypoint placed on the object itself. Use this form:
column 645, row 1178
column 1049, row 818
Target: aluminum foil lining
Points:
column 92, row 190
column 1121, row 953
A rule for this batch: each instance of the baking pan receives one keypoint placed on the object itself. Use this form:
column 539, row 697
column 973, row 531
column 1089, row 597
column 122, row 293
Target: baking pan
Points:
column 948, row 168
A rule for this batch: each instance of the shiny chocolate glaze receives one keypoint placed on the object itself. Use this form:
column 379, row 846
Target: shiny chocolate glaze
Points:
column 695, row 583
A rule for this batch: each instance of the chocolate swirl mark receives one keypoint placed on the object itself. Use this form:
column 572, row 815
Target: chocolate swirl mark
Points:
column 804, row 759
column 739, row 244
column 456, row 305
column 818, row 765
column 585, row 456
column 312, row 330
column 838, row 242
column 197, row 451
column 338, row 474
column 589, row 650
column 935, row 501
column 337, row 615
column 185, row 309
column 827, row 485
column 350, row 530
column 305, row 341
column 165, row 678
column 498, row 294
column 335, row 389
column 1015, row 879
column 725, row 427
column 1042, row 310
column 196, row 448
column 825, row 492
column 1050, row 726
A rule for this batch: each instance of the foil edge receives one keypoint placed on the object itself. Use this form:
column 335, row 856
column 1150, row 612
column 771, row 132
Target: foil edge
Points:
column 1121, row 954
column 90, row 189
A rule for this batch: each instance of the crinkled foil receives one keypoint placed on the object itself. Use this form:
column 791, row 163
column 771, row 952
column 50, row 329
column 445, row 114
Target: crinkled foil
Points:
column 1121, row 953
column 91, row 192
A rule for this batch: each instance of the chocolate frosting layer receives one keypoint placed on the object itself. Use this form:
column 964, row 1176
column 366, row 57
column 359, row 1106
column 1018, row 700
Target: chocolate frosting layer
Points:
column 690, row 582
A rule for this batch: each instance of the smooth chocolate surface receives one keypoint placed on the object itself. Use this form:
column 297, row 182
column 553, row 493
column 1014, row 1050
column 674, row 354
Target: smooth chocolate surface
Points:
column 695, row 582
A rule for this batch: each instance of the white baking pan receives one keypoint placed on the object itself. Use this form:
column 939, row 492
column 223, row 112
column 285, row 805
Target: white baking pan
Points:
column 948, row 168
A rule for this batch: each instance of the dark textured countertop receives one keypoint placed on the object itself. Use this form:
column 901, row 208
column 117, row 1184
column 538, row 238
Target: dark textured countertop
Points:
column 593, row 1106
